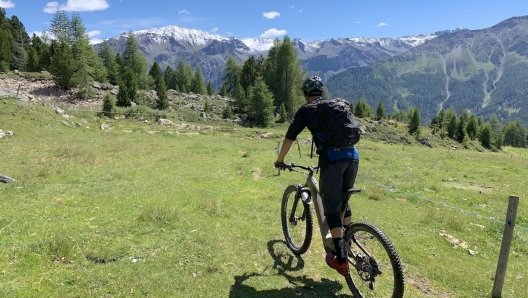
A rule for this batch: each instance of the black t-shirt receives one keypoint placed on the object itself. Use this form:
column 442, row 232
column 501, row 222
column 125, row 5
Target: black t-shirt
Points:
column 306, row 117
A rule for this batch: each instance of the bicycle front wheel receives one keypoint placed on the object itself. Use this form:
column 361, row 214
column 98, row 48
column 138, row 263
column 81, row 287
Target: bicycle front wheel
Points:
column 375, row 267
column 297, row 220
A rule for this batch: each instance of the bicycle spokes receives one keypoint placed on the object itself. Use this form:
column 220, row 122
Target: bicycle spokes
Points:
column 376, row 268
column 294, row 214
column 297, row 222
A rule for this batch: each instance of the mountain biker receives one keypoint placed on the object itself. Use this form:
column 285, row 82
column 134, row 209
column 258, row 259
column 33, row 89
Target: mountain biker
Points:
column 338, row 173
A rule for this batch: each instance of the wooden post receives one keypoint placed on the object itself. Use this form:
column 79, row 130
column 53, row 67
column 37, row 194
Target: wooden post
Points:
column 507, row 236
column 18, row 91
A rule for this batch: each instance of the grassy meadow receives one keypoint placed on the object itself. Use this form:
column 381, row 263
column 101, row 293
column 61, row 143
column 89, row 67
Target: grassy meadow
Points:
column 153, row 211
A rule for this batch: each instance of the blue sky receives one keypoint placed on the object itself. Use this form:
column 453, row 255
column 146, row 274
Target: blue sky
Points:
column 308, row 19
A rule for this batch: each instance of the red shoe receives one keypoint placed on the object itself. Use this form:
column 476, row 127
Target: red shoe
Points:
column 331, row 260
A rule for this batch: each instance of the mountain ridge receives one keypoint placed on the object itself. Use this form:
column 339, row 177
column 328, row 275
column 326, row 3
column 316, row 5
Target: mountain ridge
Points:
column 473, row 70
column 326, row 57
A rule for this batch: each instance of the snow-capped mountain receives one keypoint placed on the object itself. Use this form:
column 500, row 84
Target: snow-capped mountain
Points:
column 167, row 45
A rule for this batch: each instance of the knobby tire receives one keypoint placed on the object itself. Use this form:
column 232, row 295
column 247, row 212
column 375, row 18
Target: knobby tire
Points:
column 299, row 229
column 383, row 256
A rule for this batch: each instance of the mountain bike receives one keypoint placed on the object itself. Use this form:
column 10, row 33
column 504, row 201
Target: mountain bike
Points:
column 375, row 269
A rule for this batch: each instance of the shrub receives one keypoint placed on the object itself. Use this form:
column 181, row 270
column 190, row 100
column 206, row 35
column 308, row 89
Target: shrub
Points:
column 108, row 104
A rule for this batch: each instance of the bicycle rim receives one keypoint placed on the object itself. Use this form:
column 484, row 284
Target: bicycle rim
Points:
column 297, row 221
column 375, row 268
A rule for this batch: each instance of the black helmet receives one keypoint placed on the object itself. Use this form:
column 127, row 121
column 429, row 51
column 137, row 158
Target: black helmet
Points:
column 312, row 86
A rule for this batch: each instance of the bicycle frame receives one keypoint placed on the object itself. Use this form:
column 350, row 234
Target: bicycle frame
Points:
column 310, row 194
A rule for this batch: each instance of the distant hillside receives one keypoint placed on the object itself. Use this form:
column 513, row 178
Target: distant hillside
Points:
column 484, row 71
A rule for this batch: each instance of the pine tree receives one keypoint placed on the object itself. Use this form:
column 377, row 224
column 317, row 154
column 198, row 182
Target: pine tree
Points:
column 472, row 127
column 241, row 102
column 283, row 74
column 261, row 104
column 231, row 75
column 248, row 73
column 363, row 109
column 45, row 51
column 227, row 112
column 162, row 102
column 380, row 111
column 283, row 114
column 210, row 89
column 170, row 78
column 436, row 121
column 207, row 108
column 198, row 82
column 223, row 91
column 80, row 44
column 128, row 86
column 414, row 125
column 451, row 125
column 6, row 56
column 33, row 60
column 108, row 58
column 495, row 128
column 133, row 58
column 485, row 135
column 20, row 44
column 183, row 77
column 63, row 66
column 462, row 126
column 108, row 104
column 42, row 54
column 6, row 40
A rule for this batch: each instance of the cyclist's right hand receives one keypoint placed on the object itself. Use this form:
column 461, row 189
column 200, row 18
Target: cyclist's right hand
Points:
column 281, row 165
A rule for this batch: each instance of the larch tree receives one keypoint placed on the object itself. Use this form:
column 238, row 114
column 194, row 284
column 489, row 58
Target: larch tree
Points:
column 134, row 59
column 231, row 76
column 183, row 76
column 108, row 58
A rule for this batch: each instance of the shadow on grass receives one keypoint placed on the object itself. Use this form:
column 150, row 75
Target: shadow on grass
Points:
column 284, row 264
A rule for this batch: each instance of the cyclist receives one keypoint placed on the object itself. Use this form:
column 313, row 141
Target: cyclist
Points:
column 337, row 172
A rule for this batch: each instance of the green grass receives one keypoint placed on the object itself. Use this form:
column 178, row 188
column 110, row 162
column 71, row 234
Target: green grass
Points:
column 146, row 210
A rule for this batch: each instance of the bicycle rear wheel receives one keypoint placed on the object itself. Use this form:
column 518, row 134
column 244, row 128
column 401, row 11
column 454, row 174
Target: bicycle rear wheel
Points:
column 297, row 220
column 375, row 267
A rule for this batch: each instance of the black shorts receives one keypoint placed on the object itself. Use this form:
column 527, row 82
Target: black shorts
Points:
column 335, row 179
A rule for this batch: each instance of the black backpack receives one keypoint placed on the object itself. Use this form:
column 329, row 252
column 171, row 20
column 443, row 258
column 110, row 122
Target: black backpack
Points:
column 341, row 127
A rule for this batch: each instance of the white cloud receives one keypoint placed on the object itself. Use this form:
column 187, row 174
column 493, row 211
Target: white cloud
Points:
column 76, row 5
column 94, row 33
column 214, row 30
column 185, row 11
column 271, row 14
column 7, row 4
column 272, row 33
column 382, row 24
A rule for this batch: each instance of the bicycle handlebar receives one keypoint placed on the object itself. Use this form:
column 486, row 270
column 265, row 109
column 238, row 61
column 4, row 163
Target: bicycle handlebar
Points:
column 307, row 168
